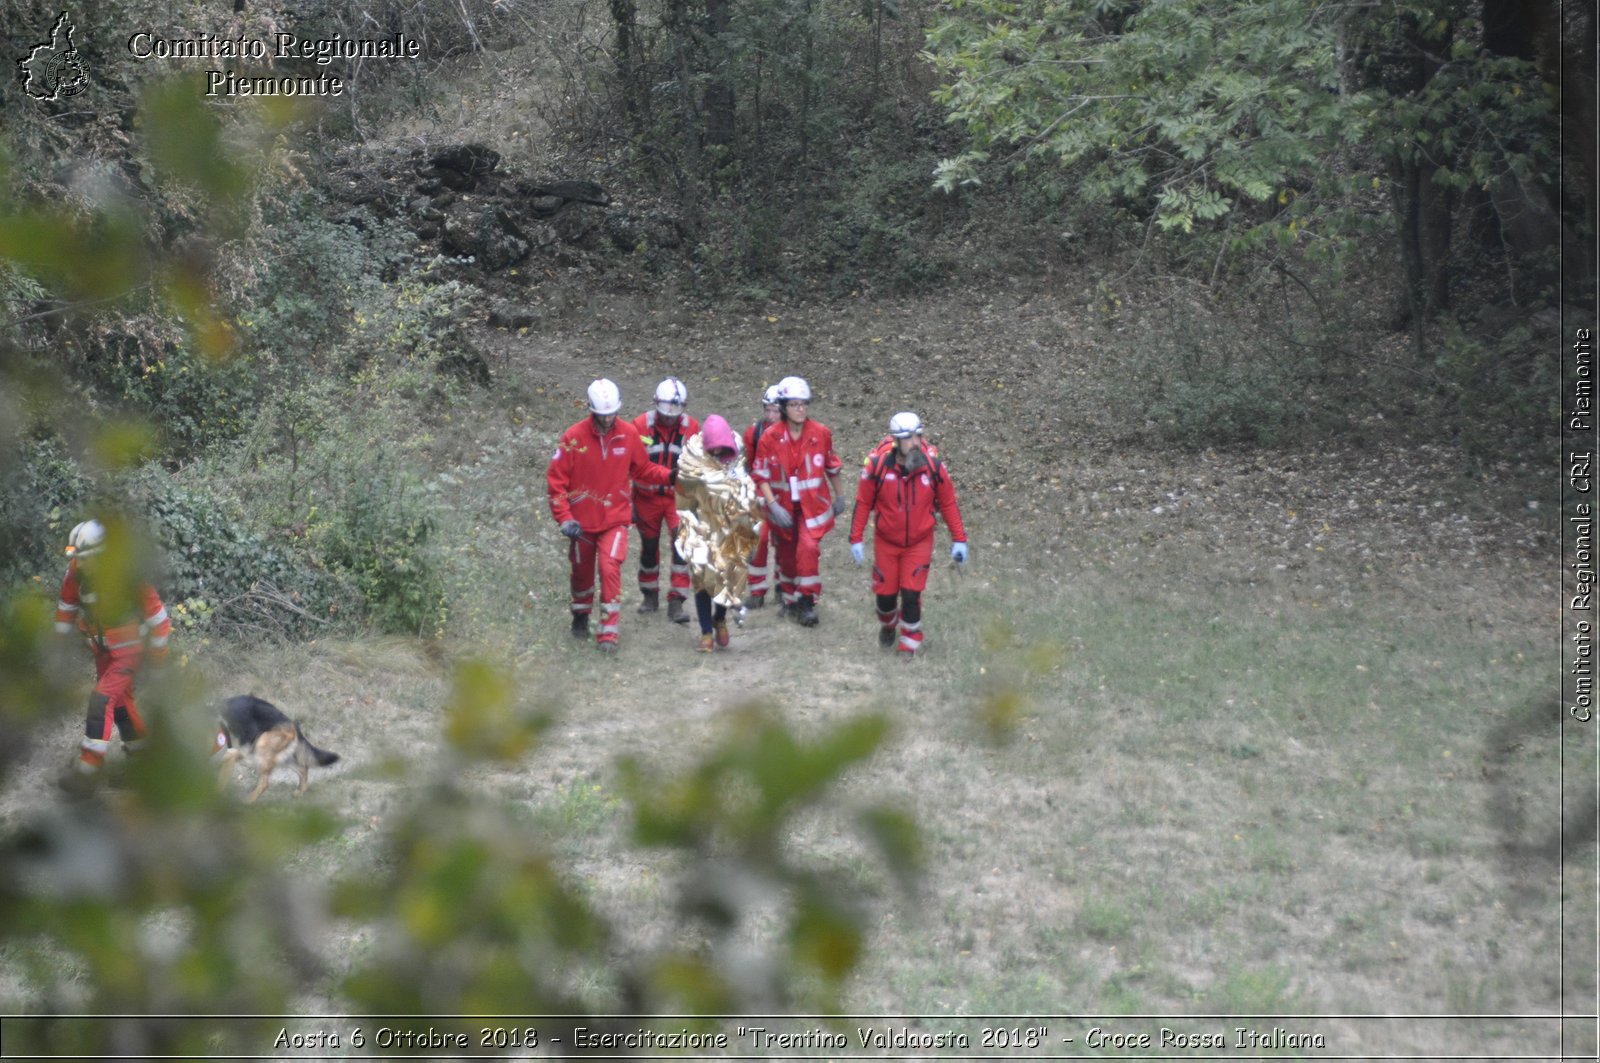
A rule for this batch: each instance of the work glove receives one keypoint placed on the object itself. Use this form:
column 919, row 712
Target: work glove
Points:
column 958, row 553
column 780, row 516
column 838, row 505
column 571, row 529
column 858, row 553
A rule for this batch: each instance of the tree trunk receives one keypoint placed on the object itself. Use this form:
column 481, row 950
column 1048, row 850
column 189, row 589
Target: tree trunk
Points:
column 719, row 101
column 689, row 174
column 1424, row 210
column 806, row 69
column 625, row 16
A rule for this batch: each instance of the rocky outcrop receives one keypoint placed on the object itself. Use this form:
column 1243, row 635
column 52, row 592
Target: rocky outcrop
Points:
column 503, row 232
column 485, row 235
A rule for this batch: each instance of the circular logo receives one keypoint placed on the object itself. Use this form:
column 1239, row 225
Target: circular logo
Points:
column 65, row 75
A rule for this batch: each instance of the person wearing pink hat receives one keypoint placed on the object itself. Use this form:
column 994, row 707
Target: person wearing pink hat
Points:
column 719, row 523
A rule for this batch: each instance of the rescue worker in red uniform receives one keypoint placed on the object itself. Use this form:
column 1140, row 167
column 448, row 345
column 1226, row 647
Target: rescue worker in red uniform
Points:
column 664, row 431
column 797, row 472
column 905, row 485
column 771, row 414
column 589, row 481
column 125, row 626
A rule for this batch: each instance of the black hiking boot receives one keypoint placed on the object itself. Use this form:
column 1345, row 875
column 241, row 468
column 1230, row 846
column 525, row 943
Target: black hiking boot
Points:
column 675, row 611
column 806, row 611
column 887, row 636
column 580, row 625
column 651, row 602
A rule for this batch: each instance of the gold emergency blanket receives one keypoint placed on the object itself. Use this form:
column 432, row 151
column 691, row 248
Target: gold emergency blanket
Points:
column 719, row 522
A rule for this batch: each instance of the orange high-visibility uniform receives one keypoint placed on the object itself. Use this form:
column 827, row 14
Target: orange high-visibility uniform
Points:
column 120, row 643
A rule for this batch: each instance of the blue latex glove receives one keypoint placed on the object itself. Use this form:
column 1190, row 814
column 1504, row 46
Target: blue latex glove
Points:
column 780, row 516
column 958, row 553
column 838, row 505
column 858, row 552
column 571, row 529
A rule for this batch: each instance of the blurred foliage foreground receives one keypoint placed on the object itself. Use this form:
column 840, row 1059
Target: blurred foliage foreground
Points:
column 155, row 895
column 158, row 896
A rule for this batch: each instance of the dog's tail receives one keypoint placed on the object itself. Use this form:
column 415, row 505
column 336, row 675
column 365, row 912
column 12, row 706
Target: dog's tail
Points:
column 322, row 756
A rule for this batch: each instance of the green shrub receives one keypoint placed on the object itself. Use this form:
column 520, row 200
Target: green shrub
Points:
column 377, row 536
column 320, row 279
column 1500, row 394
column 871, row 231
column 39, row 492
column 1240, row 403
column 195, row 402
column 218, row 572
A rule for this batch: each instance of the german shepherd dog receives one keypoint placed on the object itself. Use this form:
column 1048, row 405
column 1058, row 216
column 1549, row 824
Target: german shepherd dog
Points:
column 258, row 727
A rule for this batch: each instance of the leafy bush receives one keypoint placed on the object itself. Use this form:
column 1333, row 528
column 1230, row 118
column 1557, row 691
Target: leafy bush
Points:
column 218, row 571
column 38, row 492
column 1501, row 394
column 377, row 536
column 313, row 272
column 871, row 230
column 195, row 402
column 1245, row 402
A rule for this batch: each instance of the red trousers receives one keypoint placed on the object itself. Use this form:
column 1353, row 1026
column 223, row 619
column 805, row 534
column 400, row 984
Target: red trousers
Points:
column 901, row 568
column 902, row 571
column 652, row 512
column 112, row 705
column 758, row 564
column 799, row 551
column 605, row 550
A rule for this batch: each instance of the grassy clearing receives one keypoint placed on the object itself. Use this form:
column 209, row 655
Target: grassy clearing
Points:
column 1157, row 774
column 1226, row 802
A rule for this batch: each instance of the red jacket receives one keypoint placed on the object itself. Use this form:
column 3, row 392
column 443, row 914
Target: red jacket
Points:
column 662, row 445
column 905, row 503
column 798, row 469
column 126, row 631
column 589, row 477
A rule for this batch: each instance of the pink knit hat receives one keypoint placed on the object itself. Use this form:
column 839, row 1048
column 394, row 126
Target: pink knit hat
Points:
column 716, row 435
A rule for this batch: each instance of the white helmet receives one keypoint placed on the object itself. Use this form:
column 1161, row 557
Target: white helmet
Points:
column 770, row 396
column 671, row 397
column 87, row 539
column 604, row 398
column 793, row 387
column 905, row 425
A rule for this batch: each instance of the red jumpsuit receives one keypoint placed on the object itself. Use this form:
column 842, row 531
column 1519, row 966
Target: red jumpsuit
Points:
column 654, row 505
column 120, row 638
column 589, row 481
column 905, row 497
column 798, row 468
column 758, row 561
